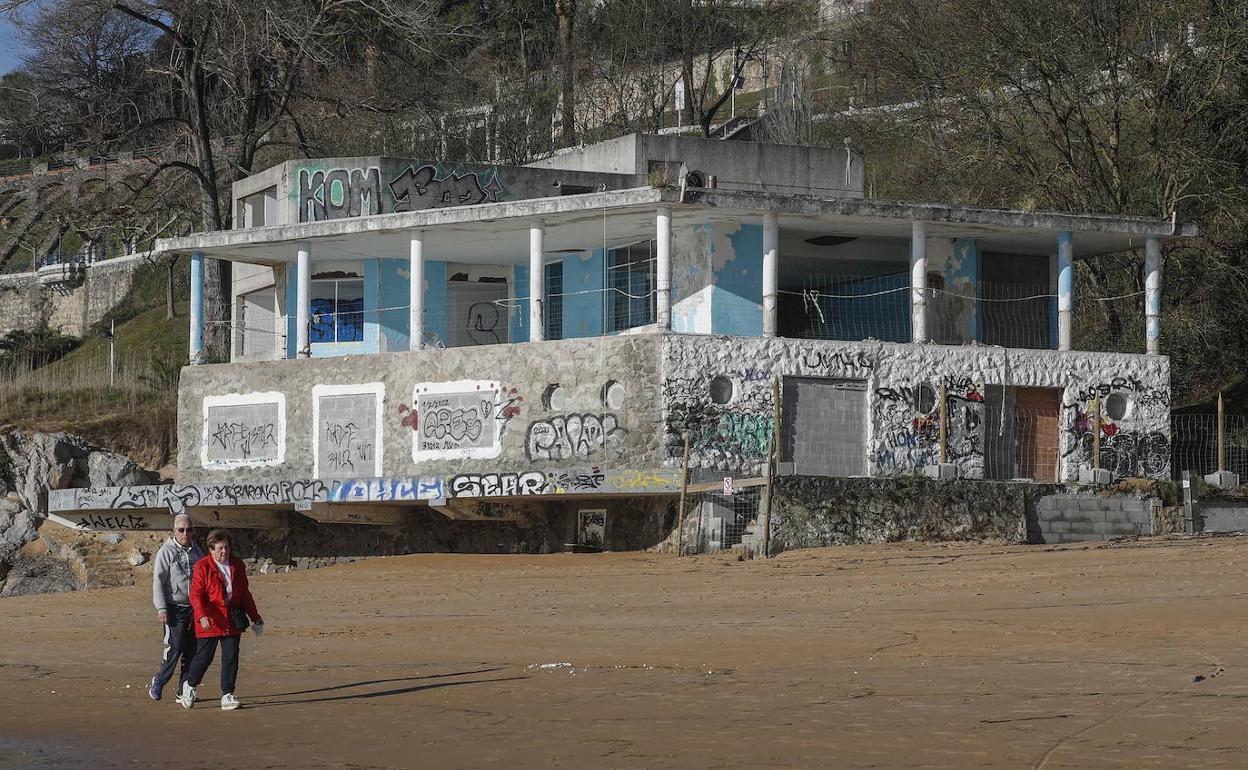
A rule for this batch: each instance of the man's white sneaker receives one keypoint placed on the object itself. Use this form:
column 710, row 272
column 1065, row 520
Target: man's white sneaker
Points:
column 187, row 697
column 229, row 702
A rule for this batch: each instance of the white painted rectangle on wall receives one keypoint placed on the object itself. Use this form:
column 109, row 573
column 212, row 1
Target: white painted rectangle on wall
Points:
column 455, row 420
column 347, row 430
column 244, row 430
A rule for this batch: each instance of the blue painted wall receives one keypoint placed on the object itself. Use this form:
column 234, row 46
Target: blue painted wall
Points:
column 435, row 301
column 736, row 302
column 520, row 288
column 583, row 312
column 967, row 268
column 393, row 299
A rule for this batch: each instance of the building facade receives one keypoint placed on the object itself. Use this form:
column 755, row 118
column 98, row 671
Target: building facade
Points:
column 587, row 336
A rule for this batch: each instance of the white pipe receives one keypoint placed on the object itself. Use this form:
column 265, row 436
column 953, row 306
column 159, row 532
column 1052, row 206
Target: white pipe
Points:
column 416, row 303
column 537, row 282
column 663, row 267
column 1065, row 287
column 771, row 269
column 303, row 300
column 1152, row 294
column 918, row 281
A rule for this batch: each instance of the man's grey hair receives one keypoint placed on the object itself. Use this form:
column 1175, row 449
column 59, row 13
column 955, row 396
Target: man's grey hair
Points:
column 182, row 519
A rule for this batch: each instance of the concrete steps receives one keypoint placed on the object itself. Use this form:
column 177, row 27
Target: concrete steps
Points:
column 1088, row 519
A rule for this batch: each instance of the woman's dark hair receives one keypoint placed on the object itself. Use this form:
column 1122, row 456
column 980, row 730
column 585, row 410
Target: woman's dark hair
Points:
column 218, row 536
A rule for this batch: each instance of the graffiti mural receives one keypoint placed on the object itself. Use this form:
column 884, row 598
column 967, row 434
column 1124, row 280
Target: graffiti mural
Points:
column 338, row 193
column 386, row 490
column 735, row 434
column 574, row 435
column 424, row 187
column 244, row 430
column 460, row 419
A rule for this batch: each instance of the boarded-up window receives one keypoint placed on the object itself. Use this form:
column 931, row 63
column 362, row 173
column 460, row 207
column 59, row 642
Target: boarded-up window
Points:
column 824, row 426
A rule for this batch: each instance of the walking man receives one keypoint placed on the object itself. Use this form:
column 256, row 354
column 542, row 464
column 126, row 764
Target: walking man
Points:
column 171, row 593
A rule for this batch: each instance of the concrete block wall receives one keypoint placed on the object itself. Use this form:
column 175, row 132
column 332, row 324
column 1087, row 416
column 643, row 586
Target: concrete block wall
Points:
column 1063, row 519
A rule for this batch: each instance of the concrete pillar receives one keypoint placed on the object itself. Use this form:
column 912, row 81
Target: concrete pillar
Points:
column 918, row 281
column 416, row 302
column 303, row 300
column 1065, row 287
column 196, row 347
column 1152, row 294
column 663, row 268
column 771, row 270
column 537, row 283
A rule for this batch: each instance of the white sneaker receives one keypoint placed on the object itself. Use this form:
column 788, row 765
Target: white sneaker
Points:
column 229, row 702
column 187, row 697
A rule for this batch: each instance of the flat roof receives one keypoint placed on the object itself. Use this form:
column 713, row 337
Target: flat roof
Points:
column 496, row 233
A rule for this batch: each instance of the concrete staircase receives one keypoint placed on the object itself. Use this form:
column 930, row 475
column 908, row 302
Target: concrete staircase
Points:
column 1062, row 519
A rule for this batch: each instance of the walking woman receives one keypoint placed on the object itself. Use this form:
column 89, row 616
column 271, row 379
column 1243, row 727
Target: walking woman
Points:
column 223, row 608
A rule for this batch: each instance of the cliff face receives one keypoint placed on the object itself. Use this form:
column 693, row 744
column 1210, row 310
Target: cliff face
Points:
column 31, row 464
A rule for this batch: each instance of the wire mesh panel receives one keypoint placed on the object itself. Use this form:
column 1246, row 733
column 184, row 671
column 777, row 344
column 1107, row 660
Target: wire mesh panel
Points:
column 1194, row 444
column 831, row 307
column 724, row 522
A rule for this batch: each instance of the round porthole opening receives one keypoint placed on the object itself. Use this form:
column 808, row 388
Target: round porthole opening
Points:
column 613, row 395
column 721, row 389
column 1116, row 406
column 553, row 398
column 925, row 399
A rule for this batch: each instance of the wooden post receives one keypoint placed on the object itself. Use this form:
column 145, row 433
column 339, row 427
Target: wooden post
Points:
column 684, row 489
column 944, row 426
column 1096, row 433
column 773, row 461
column 1221, row 435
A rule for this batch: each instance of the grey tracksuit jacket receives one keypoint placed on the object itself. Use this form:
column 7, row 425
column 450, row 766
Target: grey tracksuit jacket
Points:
column 171, row 573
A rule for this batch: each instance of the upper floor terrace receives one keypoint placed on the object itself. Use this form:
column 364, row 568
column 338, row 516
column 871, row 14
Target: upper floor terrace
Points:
column 360, row 256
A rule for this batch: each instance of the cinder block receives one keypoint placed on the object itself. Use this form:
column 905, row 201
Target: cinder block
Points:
column 1059, row 527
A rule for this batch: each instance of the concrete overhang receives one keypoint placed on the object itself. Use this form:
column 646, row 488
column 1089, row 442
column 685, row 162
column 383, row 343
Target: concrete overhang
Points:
column 496, row 233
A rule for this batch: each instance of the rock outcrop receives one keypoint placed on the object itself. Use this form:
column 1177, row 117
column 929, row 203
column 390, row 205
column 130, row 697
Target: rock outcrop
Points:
column 30, row 465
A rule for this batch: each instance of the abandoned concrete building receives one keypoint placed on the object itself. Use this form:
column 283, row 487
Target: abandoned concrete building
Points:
column 586, row 336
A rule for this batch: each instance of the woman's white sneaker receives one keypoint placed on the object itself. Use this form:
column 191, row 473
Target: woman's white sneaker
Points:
column 229, row 702
column 187, row 696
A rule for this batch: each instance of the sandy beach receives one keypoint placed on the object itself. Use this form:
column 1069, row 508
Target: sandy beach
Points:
column 1122, row 655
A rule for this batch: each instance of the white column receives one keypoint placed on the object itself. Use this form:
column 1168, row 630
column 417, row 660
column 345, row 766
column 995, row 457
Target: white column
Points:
column 537, row 283
column 196, row 347
column 1065, row 287
column 663, row 268
column 1152, row 294
column 303, row 300
column 771, row 270
column 918, row 281
column 416, row 302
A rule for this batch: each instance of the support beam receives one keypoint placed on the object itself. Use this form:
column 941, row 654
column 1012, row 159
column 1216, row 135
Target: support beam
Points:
column 771, row 270
column 918, row 281
column 1152, row 294
column 196, row 347
column 537, row 283
column 663, row 268
column 303, row 300
column 1065, row 287
column 416, row 302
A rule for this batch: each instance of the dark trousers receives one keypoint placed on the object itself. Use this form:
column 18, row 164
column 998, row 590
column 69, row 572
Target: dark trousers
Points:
column 206, row 651
column 179, row 645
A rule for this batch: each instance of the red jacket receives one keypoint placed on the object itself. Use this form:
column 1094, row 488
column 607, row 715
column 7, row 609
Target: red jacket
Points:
column 208, row 597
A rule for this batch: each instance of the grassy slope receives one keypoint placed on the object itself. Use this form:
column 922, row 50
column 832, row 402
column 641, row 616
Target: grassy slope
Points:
column 137, row 416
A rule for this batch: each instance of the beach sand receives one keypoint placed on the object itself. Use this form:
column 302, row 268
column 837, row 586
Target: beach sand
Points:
column 1126, row 655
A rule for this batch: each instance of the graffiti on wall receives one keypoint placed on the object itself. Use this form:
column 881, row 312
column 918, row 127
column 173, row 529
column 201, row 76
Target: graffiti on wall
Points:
column 425, row 187
column 338, row 193
column 737, row 432
column 563, row 437
column 1126, row 451
column 856, row 361
column 459, row 419
column 386, row 490
column 243, row 430
column 907, row 426
column 348, row 441
column 177, row 498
